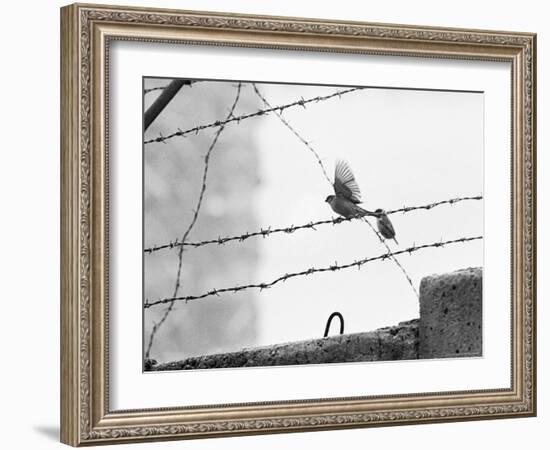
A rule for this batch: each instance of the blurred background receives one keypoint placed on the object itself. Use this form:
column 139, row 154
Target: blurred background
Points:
column 405, row 147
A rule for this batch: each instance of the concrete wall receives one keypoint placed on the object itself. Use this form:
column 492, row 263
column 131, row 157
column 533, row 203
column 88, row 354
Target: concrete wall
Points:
column 449, row 326
column 399, row 342
column 450, row 314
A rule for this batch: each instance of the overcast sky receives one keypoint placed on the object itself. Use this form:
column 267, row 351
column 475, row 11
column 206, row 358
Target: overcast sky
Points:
column 405, row 148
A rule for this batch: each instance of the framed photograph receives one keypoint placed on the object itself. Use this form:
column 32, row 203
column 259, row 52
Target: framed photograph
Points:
column 276, row 224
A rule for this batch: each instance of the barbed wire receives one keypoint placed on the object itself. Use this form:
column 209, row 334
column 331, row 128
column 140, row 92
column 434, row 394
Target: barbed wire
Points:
column 280, row 108
column 157, row 325
column 292, row 228
column 452, row 201
column 161, row 88
column 293, row 130
column 332, row 268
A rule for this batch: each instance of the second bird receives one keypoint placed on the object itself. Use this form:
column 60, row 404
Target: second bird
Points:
column 384, row 224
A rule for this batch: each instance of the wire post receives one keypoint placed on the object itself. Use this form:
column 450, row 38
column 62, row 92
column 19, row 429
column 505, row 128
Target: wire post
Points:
column 162, row 101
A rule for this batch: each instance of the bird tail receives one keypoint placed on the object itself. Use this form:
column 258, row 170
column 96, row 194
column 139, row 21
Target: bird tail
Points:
column 396, row 241
column 362, row 212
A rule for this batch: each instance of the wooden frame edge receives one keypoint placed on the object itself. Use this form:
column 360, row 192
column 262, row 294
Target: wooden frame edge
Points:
column 69, row 337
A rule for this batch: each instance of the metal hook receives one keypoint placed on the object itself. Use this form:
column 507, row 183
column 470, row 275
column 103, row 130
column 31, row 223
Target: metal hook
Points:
column 332, row 316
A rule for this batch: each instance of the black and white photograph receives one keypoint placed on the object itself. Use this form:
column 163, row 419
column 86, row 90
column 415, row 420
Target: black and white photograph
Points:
column 242, row 225
column 289, row 224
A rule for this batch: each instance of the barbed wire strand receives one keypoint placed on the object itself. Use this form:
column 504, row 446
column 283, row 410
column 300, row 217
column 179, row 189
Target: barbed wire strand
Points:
column 307, row 272
column 292, row 228
column 161, row 88
column 280, row 108
column 451, row 201
column 287, row 124
column 157, row 325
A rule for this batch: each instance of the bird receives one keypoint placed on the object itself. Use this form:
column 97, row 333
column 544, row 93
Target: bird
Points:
column 384, row 225
column 348, row 195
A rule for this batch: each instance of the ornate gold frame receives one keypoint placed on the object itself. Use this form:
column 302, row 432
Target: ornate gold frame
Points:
column 86, row 31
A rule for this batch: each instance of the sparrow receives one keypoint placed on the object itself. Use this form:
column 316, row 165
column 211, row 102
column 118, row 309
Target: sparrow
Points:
column 384, row 224
column 348, row 195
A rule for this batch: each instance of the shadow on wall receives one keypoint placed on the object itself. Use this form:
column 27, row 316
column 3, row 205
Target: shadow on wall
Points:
column 173, row 173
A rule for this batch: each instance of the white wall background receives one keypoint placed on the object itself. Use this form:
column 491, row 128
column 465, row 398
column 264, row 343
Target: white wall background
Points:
column 29, row 174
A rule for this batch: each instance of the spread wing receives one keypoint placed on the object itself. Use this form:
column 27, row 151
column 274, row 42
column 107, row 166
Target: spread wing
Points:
column 344, row 182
